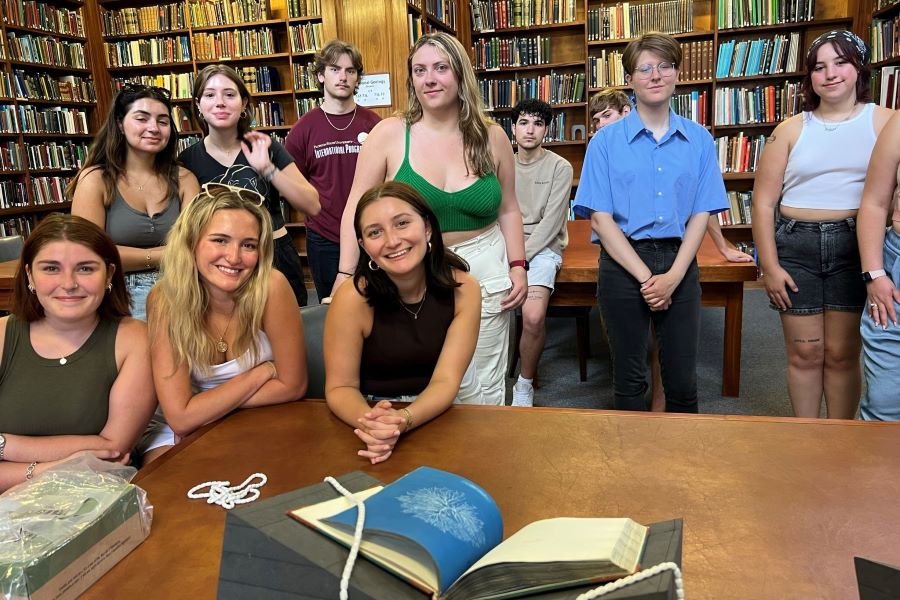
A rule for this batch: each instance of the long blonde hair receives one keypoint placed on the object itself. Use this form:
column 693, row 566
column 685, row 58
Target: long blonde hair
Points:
column 181, row 301
column 473, row 123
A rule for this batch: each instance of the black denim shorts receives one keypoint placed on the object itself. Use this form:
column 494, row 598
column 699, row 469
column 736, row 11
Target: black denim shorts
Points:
column 823, row 260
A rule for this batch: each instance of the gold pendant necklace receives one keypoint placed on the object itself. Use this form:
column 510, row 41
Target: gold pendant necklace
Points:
column 415, row 315
column 221, row 345
column 140, row 188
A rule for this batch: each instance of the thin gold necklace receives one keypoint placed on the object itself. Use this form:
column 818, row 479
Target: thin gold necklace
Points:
column 140, row 188
column 221, row 345
column 341, row 128
column 415, row 315
column 836, row 124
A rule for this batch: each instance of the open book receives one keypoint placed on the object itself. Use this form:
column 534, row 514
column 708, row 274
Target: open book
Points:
column 444, row 535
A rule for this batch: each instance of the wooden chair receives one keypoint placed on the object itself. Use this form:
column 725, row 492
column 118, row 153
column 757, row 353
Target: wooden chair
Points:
column 10, row 247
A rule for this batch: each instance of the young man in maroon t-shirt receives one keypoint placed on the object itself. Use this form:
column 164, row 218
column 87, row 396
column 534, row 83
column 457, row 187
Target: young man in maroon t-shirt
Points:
column 325, row 143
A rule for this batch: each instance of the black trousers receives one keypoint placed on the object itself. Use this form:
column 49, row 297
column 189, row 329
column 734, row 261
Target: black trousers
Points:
column 627, row 319
column 286, row 260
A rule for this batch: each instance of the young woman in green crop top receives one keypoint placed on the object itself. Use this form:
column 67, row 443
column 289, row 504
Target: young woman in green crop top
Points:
column 463, row 165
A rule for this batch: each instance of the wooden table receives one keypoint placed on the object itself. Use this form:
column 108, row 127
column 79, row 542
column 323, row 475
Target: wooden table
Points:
column 773, row 507
column 722, row 283
column 7, row 280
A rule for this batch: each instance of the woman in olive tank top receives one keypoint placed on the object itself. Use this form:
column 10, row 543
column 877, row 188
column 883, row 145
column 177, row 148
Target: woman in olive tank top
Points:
column 75, row 370
column 462, row 164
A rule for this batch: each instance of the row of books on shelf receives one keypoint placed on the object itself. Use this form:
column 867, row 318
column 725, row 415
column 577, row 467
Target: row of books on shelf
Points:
column 606, row 69
column 181, row 119
column 444, row 11
column 26, row 118
column 15, row 226
column 66, row 88
column 692, row 105
column 491, row 15
column 756, row 13
column 261, row 79
column 52, row 155
column 307, row 37
column 232, row 44
column 760, row 104
column 223, row 12
column 555, row 88
column 180, row 85
column 414, row 26
column 696, row 60
column 304, row 8
column 739, row 153
column 738, row 213
column 186, row 141
column 46, row 17
column 628, row 20
column 304, row 77
column 44, row 190
column 46, row 50
column 885, row 38
column 764, row 56
column 148, row 51
column 268, row 114
column 497, row 53
column 304, row 105
column 888, row 86
column 879, row 4
column 143, row 19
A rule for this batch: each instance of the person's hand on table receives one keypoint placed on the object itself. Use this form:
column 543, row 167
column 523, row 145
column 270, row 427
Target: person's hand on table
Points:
column 379, row 429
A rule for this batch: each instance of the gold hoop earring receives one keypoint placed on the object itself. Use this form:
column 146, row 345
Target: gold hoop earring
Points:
column 244, row 113
column 373, row 265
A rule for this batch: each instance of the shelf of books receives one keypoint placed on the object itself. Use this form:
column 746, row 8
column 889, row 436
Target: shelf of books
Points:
column 270, row 45
column 743, row 61
column 427, row 16
column 883, row 40
column 47, row 101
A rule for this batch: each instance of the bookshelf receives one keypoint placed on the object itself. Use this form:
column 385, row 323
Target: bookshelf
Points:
column 740, row 74
column 883, row 40
column 427, row 16
column 47, row 108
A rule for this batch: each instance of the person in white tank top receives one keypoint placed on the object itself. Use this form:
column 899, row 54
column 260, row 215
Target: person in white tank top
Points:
column 812, row 171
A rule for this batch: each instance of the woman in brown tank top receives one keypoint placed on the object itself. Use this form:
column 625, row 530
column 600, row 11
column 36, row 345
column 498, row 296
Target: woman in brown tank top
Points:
column 403, row 265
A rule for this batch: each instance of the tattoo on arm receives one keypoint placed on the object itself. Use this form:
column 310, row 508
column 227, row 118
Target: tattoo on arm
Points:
column 770, row 139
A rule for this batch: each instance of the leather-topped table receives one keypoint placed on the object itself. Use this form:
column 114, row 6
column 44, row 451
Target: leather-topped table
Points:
column 772, row 507
column 722, row 283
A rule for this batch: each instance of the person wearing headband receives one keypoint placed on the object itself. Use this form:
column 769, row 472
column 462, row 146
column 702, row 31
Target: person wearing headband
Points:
column 805, row 200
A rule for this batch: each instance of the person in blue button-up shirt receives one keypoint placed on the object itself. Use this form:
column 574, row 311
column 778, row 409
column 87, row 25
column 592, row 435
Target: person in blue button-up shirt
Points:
column 649, row 183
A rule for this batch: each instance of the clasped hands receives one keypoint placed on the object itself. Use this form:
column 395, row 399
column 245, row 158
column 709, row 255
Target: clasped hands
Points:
column 657, row 291
column 379, row 429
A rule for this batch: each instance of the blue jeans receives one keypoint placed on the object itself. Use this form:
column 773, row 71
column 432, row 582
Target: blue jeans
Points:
column 627, row 319
column 324, row 256
column 881, row 350
column 139, row 285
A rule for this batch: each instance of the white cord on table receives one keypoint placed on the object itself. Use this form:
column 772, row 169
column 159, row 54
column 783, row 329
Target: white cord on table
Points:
column 639, row 576
column 357, row 535
column 228, row 497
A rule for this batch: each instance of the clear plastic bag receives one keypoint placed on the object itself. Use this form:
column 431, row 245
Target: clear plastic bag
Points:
column 62, row 530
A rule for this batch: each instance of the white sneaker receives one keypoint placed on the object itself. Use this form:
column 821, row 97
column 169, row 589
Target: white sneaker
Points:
column 522, row 394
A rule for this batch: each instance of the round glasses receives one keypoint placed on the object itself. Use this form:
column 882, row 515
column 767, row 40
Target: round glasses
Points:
column 665, row 69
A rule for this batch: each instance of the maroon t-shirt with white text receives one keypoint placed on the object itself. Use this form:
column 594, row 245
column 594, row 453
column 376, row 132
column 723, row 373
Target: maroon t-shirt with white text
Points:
column 327, row 158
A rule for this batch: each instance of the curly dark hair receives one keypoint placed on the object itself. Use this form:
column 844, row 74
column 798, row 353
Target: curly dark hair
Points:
column 534, row 107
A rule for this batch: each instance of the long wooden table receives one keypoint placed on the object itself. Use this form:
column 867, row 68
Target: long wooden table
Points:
column 722, row 283
column 772, row 507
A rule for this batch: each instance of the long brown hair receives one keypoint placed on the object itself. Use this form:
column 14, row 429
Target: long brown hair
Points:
column 847, row 48
column 203, row 77
column 58, row 227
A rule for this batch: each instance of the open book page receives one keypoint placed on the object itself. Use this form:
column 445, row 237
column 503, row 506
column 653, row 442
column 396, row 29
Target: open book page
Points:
column 454, row 520
column 564, row 539
column 407, row 560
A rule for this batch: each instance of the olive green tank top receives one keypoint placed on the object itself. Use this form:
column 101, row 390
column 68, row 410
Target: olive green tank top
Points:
column 469, row 209
column 40, row 396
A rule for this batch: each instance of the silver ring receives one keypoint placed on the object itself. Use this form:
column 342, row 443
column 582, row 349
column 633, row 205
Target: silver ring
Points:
column 873, row 305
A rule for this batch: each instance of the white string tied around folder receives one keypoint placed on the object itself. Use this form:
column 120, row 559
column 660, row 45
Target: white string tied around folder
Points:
column 357, row 535
column 226, row 495
column 639, row 576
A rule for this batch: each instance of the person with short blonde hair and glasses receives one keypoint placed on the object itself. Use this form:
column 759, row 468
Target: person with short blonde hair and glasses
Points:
column 325, row 144
column 649, row 183
column 462, row 163
column 805, row 200
column 233, row 154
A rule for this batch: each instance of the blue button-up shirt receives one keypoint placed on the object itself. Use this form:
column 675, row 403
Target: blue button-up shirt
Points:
column 651, row 188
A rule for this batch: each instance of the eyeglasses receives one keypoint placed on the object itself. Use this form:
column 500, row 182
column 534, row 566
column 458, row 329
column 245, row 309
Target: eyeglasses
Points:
column 130, row 87
column 214, row 190
column 665, row 69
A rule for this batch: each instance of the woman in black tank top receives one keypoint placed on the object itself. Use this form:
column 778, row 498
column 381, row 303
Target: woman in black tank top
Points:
column 406, row 329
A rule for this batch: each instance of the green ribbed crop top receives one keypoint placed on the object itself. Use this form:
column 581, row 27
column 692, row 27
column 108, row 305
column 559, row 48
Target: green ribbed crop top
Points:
column 474, row 207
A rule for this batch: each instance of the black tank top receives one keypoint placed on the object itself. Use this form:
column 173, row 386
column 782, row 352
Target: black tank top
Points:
column 399, row 356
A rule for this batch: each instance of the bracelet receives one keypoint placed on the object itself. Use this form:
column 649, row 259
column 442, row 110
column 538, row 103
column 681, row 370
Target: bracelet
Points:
column 149, row 258
column 646, row 280
column 29, row 472
column 271, row 174
column 345, row 273
column 409, row 419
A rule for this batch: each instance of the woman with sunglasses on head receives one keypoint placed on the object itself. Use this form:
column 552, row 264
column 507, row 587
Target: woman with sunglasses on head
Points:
column 649, row 183
column 462, row 164
column 805, row 199
column 224, row 326
column 132, row 186
column 75, row 368
column 407, row 326
column 233, row 154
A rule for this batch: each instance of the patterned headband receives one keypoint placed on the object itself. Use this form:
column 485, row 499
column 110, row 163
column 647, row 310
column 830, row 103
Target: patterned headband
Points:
column 848, row 36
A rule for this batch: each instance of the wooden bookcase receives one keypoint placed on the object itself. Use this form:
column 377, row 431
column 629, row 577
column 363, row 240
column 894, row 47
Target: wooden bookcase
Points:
column 883, row 40
column 577, row 47
column 48, row 107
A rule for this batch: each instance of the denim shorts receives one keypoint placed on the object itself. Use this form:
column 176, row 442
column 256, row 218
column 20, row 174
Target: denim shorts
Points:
column 823, row 260
column 139, row 284
column 543, row 267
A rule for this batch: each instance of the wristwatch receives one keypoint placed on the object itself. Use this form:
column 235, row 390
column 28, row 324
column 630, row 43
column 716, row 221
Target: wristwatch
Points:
column 2, row 445
column 519, row 263
column 868, row 276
